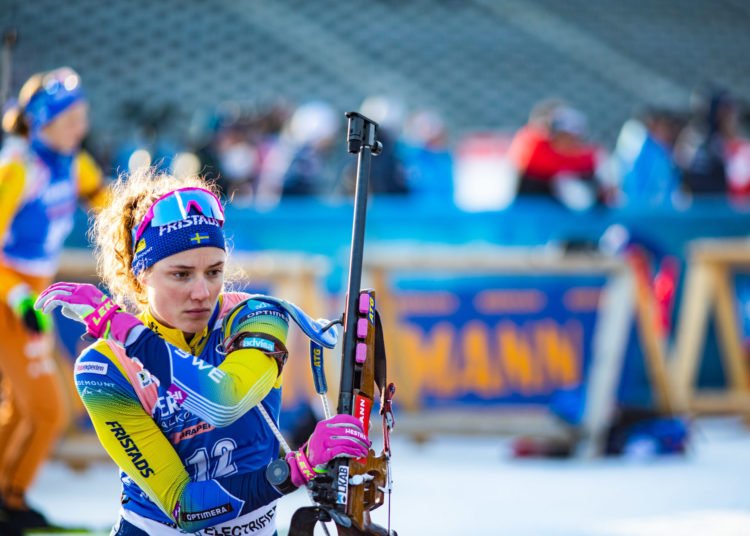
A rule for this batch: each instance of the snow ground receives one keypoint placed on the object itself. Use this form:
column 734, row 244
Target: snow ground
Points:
column 470, row 486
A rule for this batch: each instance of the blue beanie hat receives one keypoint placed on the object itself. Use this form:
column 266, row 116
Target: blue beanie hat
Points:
column 61, row 89
column 160, row 242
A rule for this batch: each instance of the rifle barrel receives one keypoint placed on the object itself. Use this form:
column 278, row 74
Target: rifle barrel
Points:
column 364, row 161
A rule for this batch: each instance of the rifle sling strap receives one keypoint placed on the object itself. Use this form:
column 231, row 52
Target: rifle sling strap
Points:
column 380, row 360
column 386, row 391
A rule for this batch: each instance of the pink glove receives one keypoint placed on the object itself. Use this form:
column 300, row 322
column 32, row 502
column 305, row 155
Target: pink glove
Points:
column 341, row 436
column 86, row 303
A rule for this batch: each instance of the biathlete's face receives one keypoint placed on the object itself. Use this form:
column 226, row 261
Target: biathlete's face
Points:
column 183, row 289
column 66, row 131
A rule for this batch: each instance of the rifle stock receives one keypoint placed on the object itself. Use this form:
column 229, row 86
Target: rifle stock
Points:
column 370, row 474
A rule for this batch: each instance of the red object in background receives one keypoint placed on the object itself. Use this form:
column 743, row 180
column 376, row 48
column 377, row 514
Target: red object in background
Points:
column 534, row 155
column 738, row 169
column 541, row 447
column 665, row 286
column 662, row 285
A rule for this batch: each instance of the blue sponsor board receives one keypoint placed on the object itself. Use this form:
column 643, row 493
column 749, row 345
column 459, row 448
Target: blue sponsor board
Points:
column 494, row 340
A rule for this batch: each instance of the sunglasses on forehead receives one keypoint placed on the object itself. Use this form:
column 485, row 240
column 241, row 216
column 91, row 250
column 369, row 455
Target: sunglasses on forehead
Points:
column 60, row 89
column 179, row 205
column 63, row 79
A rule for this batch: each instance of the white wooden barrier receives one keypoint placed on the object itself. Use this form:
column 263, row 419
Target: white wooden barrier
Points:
column 709, row 290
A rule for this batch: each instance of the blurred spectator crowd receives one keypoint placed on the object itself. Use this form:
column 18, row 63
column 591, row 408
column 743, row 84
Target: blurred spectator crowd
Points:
column 662, row 157
column 260, row 155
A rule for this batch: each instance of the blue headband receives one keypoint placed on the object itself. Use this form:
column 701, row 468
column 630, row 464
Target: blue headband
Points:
column 160, row 242
column 61, row 89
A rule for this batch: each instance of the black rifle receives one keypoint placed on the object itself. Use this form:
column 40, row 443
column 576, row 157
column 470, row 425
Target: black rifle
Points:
column 350, row 489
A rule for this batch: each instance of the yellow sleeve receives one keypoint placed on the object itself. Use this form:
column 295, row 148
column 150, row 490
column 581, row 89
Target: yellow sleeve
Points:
column 252, row 371
column 91, row 185
column 128, row 434
column 12, row 184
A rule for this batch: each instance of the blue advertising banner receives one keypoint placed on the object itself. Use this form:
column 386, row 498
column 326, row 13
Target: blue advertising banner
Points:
column 493, row 340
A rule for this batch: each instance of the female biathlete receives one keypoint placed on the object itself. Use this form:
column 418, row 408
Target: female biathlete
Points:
column 180, row 394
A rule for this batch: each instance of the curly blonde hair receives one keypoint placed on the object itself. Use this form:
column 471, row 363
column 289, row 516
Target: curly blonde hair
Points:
column 111, row 231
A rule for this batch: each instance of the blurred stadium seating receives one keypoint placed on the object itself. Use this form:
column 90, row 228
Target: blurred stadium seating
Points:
column 480, row 63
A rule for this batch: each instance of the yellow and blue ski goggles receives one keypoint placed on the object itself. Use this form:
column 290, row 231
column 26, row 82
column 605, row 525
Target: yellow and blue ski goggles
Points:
column 178, row 205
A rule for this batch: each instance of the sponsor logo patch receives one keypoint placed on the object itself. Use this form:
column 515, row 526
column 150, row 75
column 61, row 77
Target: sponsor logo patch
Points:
column 251, row 527
column 131, row 449
column 144, row 378
column 342, row 484
column 193, row 431
column 257, row 343
column 188, row 222
column 206, row 514
column 214, row 373
column 262, row 312
column 91, row 368
column 362, row 411
column 371, row 312
column 94, row 383
column 178, row 395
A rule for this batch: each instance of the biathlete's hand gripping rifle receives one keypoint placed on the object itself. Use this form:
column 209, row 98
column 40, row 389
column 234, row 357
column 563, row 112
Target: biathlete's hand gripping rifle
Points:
column 350, row 489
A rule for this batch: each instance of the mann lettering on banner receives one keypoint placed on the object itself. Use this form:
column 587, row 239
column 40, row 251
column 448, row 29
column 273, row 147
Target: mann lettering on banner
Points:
column 486, row 344
column 493, row 361
column 131, row 449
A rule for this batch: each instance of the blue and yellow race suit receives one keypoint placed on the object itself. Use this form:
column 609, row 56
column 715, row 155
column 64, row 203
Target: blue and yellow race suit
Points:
column 177, row 417
column 39, row 190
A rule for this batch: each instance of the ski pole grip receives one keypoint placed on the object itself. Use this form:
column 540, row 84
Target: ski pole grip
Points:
column 316, row 364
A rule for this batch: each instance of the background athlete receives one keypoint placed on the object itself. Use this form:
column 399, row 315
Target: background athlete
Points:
column 43, row 174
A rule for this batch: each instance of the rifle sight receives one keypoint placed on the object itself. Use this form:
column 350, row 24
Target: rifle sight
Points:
column 362, row 132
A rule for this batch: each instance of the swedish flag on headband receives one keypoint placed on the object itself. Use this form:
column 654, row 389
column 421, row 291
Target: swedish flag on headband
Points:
column 160, row 242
